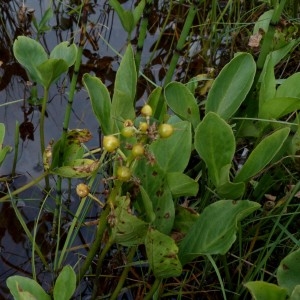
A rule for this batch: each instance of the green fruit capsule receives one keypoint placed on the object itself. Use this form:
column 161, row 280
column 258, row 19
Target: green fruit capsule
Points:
column 146, row 110
column 137, row 150
column 123, row 173
column 143, row 126
column 128, row 131
column 110, row 143
column 165, row 130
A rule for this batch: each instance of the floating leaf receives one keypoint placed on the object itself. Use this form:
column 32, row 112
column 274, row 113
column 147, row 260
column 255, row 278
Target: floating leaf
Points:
column 162, row 254
column 214, row 232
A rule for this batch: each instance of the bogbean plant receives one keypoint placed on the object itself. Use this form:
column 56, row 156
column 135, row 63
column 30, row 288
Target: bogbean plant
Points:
column 148, row 153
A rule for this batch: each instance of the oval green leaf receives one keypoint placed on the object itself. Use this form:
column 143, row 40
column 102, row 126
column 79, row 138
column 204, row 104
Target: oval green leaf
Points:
column 182, row 102
column 214, row 232
column 261, row 290
column 215, row 143
column 101, row 102
column 181, row 184
column 262, row 154
column 288, row 273
column 65, row 284
column 231, row 86
column 30, row 54
column 162, row 254
column 66, row 52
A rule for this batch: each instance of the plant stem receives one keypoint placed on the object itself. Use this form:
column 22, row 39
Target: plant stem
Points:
column 42, row 131
column 102, row 223
column 124, row 274
column 24, row 187
column 193, row 10
column 153, row 289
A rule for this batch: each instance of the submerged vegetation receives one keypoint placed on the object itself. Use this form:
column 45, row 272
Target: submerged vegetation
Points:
column 193, row 191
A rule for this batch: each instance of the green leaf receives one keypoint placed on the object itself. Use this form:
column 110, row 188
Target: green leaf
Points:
column 263, row 21
column 268, row 84
column 145, row 205
column 288, row 273
column 79, row 168
column 214, row 232
column 278, row 107
column 66, row 52
column 122, row 106
column 100, row 100
column 289, row 87
column 262, row 154
column 181, row 184
column 126, row 17
column 138, row 11
column 185, row 219
column 42, row 26
column 232, row 85
column 178, row 147
column 65, row 284
column 2, row 134
column 153, row 101
column 279, row 54
column 51, row 70
column 261, row 290
column 296, row 293
column 182, row 102
column 231, row 190
column 127, row 229
column 23, row 287
column 155, row 184
column 162, row 254
column 30, row 54
column 215, row 143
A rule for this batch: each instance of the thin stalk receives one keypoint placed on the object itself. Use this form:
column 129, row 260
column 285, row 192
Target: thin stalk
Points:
column 42, row 131
column 153, row 289
column 218, row 275
column 102, row 225
column 27, row 232
column 193, row 10
column 143, row 33
column 124, row 274
column 58, row 199
column 100, row 261
column 13, row 170
column 24, row 187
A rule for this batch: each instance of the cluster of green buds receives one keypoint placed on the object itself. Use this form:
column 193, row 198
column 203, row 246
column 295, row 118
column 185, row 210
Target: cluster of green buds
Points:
column 144, row 132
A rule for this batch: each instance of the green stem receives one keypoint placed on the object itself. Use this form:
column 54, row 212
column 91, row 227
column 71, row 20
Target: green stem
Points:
column 24, row 187
column 102, row 224
column 153, row 289
column 17, row 131
column 124, row 274
column 193, row 10
column 42, row 131
column 100, row 261
column 142, row 33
